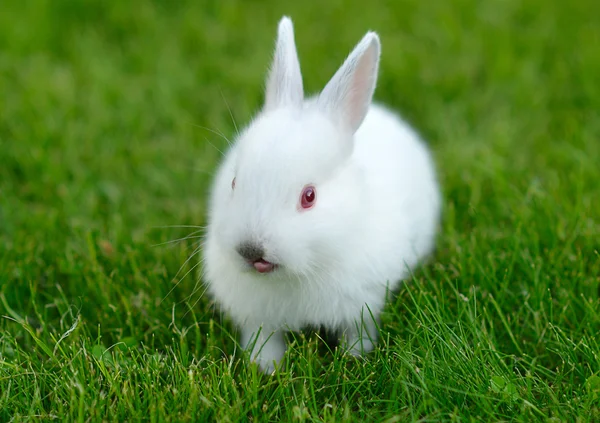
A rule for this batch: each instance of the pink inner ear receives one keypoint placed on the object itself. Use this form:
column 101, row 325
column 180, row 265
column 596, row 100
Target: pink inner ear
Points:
column 361, row 87
column 348, row 95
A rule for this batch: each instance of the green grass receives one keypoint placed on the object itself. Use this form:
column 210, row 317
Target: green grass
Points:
column 103, row 110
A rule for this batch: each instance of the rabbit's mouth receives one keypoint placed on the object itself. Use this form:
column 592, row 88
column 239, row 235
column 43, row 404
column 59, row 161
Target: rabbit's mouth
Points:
column 254, row 254
column 263, row 266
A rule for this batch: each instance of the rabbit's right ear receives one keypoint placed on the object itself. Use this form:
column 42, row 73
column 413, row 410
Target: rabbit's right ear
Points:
column 284, row 84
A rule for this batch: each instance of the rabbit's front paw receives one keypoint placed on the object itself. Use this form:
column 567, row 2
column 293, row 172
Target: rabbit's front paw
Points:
column 268, row 348
column 359, row 338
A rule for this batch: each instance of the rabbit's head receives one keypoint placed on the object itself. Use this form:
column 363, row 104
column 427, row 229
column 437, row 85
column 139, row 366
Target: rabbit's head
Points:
column 289, row 194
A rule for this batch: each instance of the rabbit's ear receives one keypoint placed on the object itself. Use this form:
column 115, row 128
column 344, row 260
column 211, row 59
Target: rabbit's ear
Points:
column 284, row 84
column 348, row 95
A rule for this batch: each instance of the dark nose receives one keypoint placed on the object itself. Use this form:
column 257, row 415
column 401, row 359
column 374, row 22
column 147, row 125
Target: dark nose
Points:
column 250, row 251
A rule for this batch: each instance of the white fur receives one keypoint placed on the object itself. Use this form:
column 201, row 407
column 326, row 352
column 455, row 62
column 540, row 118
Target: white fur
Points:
column 284, row 84
column 374, row 220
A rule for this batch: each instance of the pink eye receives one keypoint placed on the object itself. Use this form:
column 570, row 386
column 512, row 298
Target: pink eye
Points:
column 308, row 197
column 233, row 184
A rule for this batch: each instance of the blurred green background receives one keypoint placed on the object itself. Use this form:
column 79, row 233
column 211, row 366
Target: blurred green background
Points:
column 108, row 113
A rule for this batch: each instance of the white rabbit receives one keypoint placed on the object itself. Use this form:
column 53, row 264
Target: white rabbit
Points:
column 318, row 208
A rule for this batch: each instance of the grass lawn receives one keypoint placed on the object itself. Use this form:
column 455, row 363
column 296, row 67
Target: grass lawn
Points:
column 109, row 114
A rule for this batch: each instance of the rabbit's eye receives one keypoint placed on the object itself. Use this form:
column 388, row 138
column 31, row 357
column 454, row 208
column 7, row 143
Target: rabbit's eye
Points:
column 308, row 197
column 233, row 184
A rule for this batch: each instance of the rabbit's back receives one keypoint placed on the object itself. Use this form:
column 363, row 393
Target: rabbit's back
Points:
column 403, row 191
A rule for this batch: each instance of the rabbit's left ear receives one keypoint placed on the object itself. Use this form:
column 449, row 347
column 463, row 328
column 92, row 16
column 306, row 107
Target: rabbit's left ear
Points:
column 284, row 84
column 347, row 96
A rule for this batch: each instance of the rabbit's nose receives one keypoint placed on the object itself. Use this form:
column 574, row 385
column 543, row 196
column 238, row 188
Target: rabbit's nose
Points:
column 251, row 251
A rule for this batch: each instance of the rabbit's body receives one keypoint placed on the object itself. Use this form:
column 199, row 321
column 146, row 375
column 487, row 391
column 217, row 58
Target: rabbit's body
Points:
column 374, row 219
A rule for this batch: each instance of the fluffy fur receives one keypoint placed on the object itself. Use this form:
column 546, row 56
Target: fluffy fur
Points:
column 374, row 220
